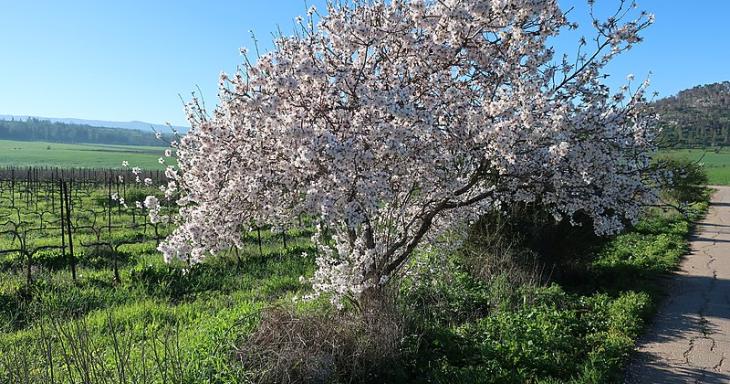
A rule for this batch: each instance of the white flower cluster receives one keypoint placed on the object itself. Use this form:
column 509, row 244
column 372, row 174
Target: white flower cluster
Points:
column 153, row 206
column 391, row 121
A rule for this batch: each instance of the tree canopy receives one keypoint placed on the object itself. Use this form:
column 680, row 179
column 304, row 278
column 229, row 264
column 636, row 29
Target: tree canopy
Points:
column 391, row 122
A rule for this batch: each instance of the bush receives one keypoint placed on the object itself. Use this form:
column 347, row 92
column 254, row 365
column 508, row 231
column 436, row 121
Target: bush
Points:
column 533, row 342
column 528, row 246
column 682, row 179
column 325, row 346
column 617, row 323
column 51, row 259
column 441, row 294
column 166, row 279
column 549, row 336
column 11, row 311
column 176, row 282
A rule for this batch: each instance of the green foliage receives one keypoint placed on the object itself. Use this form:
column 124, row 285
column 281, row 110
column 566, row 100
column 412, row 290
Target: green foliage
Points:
column 525, row 240
column 634, row 260
column 502, row 331
column 450, row 323
column 158, row 323
column 614, row 325
column 535, row 334
column 696, row 117
column 530, row 342
column 168, row 333
column 444, row 294
column 685, row 181
column 648, row 253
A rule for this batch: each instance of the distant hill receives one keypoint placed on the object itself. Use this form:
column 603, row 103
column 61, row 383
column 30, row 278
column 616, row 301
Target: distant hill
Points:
column 138, row 125
column 33, row 129
column 696, row 117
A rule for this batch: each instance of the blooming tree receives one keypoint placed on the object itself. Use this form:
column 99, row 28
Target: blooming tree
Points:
column 391, row 121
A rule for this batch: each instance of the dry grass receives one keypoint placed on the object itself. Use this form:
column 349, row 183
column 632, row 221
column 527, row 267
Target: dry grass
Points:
column 330, row 347
column 494, row 250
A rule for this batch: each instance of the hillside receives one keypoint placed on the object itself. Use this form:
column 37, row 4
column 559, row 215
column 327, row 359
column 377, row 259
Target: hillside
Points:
column 33, row 129
column 696, row 117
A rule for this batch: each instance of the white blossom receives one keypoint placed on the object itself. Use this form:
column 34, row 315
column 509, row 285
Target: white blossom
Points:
column 153, row 206
column 391, row 122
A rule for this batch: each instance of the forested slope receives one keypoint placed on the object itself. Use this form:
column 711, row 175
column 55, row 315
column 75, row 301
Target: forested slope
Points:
column 696, row 117
column 43, row 130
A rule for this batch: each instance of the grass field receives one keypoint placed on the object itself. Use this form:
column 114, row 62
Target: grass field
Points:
column 37, row 154
column 24, row 153
column 171, row 315
column 716, row 163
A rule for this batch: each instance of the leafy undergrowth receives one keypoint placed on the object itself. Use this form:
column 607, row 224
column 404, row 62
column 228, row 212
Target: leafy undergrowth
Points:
column 528, row 334
column 188, row 325
column 471, row 331
column 161, row 324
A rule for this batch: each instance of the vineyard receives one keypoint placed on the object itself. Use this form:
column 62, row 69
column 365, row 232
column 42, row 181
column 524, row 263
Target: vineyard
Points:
column 75, row 245
column 49, row 211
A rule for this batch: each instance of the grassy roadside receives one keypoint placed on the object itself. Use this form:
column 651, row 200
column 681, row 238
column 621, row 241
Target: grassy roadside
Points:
column 564, row 332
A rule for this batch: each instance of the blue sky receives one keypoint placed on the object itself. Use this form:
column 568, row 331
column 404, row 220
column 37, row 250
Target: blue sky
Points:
column 129, row 60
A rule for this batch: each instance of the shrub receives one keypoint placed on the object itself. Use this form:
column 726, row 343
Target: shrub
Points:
column 440, row 294
column 682, row 179
column 526, row 245
column 325, row 346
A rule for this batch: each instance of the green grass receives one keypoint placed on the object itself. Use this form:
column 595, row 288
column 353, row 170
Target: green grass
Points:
column 498, row 332
column 715, row 163
column 160, row 323
column 33, row 153
column 173, row 323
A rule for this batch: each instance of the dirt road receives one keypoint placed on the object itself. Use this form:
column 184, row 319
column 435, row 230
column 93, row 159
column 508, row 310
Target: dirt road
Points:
column 689, row 341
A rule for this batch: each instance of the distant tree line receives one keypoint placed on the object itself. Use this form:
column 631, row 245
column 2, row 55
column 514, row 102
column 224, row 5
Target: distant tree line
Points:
column 34, row 129
column 696, row 117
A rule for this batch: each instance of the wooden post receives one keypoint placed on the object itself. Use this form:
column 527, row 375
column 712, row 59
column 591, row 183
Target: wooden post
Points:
column 261, row 249
column 72, row 258
column 283, row 236
column 63, row 224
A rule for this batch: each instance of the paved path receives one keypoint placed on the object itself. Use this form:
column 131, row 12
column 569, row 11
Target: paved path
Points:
column 689, row 341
